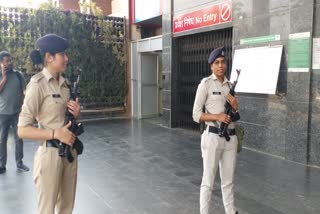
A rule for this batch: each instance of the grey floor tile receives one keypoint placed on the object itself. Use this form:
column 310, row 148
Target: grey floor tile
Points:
column 138, row 167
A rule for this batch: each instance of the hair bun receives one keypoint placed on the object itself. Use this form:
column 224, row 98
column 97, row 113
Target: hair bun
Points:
column 36, row 57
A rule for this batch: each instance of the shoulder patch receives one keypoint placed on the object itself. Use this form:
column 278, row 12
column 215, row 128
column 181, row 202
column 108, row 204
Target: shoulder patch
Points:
column 37, row 77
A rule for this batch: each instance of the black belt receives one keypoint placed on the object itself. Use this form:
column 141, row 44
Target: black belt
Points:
column 215, row 130
column 52, row 143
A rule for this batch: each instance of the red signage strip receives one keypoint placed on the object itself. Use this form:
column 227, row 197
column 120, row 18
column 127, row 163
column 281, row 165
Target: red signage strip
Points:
column 213, row 15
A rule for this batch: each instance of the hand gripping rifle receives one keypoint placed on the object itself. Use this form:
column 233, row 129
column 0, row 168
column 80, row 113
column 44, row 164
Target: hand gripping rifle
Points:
column 75, row 128
column 223, row 129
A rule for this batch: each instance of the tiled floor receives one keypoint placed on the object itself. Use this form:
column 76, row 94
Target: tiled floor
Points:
column 137, row 167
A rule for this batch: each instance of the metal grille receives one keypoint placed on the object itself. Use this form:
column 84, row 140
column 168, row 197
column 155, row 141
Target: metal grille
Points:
column 193, row 52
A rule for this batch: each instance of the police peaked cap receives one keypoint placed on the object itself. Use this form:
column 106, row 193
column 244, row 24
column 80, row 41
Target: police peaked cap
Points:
column 52, row 43
column 216, row 53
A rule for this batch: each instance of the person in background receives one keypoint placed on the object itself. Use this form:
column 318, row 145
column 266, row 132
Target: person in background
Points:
column 12, row 85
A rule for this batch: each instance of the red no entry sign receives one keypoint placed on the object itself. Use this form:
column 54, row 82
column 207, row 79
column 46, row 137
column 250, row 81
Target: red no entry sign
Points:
column 225, row 12
column 213, row 15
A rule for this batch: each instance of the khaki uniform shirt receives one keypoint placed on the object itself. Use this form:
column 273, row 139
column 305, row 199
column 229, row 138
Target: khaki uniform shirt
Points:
column 46, row 101
column 212, row 94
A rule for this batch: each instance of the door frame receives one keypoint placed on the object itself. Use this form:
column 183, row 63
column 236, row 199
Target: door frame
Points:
column 152, row 45
column 141, row 85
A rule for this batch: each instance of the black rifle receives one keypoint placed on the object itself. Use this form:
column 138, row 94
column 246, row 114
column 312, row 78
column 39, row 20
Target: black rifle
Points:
column 75, row 128
column 228, row 111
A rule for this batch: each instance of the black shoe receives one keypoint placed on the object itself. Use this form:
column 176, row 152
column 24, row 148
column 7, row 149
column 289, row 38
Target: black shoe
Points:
column 236, row 212
column 3, row 170
column 22, row 167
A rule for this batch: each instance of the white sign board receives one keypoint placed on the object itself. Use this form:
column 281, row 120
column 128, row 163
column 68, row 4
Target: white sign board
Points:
column 259, row 69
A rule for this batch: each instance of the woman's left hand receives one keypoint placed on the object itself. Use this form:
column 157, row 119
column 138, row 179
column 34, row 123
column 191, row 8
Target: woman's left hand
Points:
column 233, row 101
column 74, row 108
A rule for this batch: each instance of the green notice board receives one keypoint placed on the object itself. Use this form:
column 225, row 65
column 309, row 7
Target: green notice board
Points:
column 299, row 52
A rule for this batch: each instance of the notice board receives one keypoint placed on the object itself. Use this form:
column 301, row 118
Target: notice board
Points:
column 259, row 69
column 299, row 52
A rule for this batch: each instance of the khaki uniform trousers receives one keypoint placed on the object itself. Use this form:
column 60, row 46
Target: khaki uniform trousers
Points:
column 216, row 151
column 55, row 180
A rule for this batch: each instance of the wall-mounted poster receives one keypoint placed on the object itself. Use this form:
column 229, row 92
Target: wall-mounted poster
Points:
column 259, row 69
column 299, row 52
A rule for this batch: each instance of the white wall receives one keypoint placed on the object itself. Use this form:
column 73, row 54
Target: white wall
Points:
column 120, row 8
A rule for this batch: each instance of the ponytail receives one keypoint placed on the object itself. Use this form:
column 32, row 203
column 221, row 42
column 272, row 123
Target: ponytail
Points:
column 36, row 57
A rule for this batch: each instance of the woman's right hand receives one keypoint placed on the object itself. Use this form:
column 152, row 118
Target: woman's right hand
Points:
column 222, row 117
column 65, row 135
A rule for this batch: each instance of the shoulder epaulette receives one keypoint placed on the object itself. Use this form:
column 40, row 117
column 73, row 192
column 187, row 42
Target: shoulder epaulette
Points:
column 204, row 79
column 37, row 77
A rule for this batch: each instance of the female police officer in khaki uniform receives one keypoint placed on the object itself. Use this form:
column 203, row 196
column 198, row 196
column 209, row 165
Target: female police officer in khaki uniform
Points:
column 46, row 100
column 212, row 93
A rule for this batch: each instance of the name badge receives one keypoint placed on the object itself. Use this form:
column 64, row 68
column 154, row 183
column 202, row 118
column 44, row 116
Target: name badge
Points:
column 216, row 93
column 56, row 95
